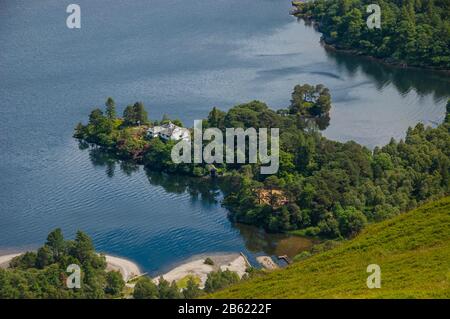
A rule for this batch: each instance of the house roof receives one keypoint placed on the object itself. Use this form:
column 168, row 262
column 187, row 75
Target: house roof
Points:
column 168, row 129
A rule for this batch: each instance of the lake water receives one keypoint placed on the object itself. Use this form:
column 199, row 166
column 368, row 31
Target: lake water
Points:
column 180, row 58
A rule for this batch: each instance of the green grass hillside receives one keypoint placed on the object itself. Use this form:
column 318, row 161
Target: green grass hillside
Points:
column 412, row 249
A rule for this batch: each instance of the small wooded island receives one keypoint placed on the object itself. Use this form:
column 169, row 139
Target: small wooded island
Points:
column 323, row 188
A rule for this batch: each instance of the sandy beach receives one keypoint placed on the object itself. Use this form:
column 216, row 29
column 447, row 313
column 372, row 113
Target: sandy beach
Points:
column 194, row 267
column 6, row 259
column 198, row 268
column 127, row 268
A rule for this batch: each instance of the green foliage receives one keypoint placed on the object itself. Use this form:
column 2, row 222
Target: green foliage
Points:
column 135, row 114
column 24, row 261
column 114, row 283
column 111, row 109
column 310, row 101
column 412, row 32
column 44, row 257
column 145, row 289
column 96, row 117
column 83, row 248
column 302, row 256
column 216, row 118
column 98, row 130
column 220, row 279
column 43, row 274
column 447, row 113
column 333, row 189
column 158, row 155
column 350, row 221
column 109, row 131
column 323, row 188
column 80, row 131
column 198, row 171
column 209, row 261
column 55, row 241
column 192, row 289
column 412, row 249
column 166, row 120
column 167, row 290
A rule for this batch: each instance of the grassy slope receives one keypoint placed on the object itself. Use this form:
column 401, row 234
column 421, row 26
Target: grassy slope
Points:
column 412, row 249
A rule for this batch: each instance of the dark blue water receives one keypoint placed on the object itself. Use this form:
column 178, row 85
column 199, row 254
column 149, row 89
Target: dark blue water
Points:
column 180, row 58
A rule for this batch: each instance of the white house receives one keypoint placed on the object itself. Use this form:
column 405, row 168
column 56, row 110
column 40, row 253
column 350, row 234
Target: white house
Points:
column 169, row 131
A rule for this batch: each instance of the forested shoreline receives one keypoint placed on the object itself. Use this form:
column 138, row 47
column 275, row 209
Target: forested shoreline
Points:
column 413, row 32
column 331, row 189
column 46, row 274
column 42, row 274
column 323, row 188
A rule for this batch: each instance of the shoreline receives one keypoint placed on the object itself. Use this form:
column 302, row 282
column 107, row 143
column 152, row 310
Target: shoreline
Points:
column 393, row 63
column 6, row 259
column 195, row 266
column 353, row 52
column 127, row 268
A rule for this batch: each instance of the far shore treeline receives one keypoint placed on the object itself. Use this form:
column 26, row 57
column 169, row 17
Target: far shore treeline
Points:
column 323, row 188
column 412, row 33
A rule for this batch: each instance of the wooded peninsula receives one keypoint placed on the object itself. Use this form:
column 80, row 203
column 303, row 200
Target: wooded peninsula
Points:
column 323, row 188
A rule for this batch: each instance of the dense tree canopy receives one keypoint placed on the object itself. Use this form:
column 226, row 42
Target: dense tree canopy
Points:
column 192, row 289
column 146, row 288
column 135, row 114
column 310, row 100
column 110, row 108
column 413, row 32
column 43, row 274
column 220, row 279
column 333, row 189
column 322, row 188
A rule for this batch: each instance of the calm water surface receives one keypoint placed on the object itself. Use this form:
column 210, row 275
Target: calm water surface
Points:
column 180, row 58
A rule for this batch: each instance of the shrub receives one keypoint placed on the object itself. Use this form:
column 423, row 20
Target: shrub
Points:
column 145, row 289
column 114, row 283
column 302, row 256
column 209, row 261
column 220, row 279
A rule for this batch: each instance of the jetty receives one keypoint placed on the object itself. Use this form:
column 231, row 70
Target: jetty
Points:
column 286, row 259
